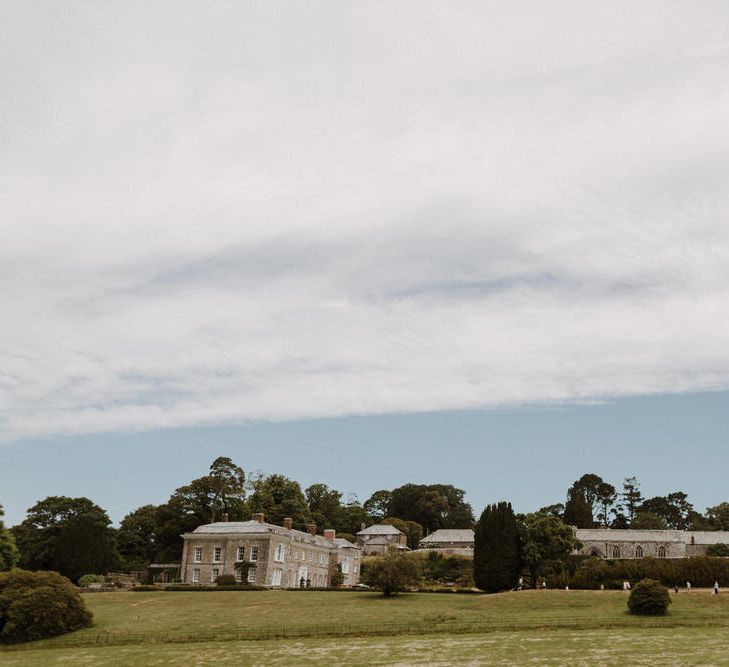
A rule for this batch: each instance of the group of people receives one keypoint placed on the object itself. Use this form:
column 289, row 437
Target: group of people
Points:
column 626, row 586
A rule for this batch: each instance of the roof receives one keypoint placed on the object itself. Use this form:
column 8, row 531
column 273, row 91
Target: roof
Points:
column 344, row 544
column 380, row 529
column 675, row 536
column 447, row 535
column 256, row 527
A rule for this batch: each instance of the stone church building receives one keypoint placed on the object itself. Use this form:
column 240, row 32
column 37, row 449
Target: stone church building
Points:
column 614, row 543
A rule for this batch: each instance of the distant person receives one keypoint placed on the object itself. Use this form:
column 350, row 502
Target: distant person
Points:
column 675, row 588
column 688, row 586
column 602, row 587
column 716, row 588
column 520, row 585
column 544, row 583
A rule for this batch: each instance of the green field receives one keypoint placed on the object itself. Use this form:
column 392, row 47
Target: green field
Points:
column 277, row 627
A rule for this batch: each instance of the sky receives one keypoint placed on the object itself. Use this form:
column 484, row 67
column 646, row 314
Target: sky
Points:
column 368, row 236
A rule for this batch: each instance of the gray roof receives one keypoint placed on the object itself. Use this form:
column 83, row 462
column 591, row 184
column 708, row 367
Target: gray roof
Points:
column 380, row 529
column 255, row 527
column 344, row 544
column 628, row 535
column 446, row 535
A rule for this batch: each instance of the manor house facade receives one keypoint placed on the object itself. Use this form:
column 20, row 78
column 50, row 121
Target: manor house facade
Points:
column 275, row 556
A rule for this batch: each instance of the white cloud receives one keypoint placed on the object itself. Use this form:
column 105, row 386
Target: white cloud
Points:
column 227, row 212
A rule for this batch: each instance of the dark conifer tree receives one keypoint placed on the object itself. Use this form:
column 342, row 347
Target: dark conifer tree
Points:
column 496, row 559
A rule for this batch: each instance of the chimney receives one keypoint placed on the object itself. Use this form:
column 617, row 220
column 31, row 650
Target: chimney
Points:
column 288, row 522
column 257, row 516
column 311, row 528
column 330, row 534
column 224, row 517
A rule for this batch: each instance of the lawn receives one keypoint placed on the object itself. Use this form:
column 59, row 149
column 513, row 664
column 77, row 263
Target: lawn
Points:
column 159, row 628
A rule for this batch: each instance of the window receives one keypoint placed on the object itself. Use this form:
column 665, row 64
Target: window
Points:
column 354, row 568
column 217, row 552
column 214, row 574
column 345, row 566
column 661, row 552
column 196, row 576
column 238, row 576
column 197, row 557
column 254, row 554
column 240, row 554
column 321, row 559
column 639, row 551
column 252, row 575
column 276, row 578
column 278, row 554
column 616, row 552
column 312, row 556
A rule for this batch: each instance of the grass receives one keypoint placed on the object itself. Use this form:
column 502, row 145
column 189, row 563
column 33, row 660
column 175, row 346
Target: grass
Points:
column 196, row 628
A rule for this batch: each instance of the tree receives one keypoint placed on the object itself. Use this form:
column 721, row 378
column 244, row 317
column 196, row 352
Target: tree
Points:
column 137, row 537
column 378, row 505
column 325, row 505
column 577, row 510
column 433, row 506
column 631, row 497
column 35, row 605
column 392, row 572
column 72, row 536
column 645, row 520
column 597, row 493
column 279, row 497
column 496, row 557
column 545, row 542
column 674, row 508
column 9, row 555
column 557, row 509
column 719, row 516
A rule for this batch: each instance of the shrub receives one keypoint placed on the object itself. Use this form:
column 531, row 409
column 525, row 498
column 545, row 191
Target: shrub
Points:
column 35, row 605
column 391, row 573
column 226, row 580
column 720, row 549
column 91, row 579
column 649, row 598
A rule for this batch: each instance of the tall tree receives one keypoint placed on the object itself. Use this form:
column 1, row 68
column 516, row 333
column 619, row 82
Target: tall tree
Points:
column 496, row 557
column 72, row 536
column 325, row 505
column 433, row 506
column 674, row 508
column 9, row 555
column 377, row 505
column 719, row 516
column 597, row 493
column 278, row 497
column 577, row 510
column 546, row 542
column 137, row 537
column 631, row 497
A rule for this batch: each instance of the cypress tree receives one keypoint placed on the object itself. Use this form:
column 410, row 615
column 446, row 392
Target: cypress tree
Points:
column 577, row 510
column 496, row 557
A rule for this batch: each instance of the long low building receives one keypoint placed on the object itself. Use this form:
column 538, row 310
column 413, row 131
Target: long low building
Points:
column 627, row 543
column 275, row 556
column 450, row 540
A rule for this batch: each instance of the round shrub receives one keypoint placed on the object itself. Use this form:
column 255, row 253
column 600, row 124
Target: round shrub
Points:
column 91, row 579
column 35, row 605
column 649, row 598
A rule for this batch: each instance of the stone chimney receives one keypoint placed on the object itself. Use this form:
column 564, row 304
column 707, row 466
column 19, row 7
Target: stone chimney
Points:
column 257, row 516
column 311, row 528
column 288, row 522
column 224, row 517
column 330, row 533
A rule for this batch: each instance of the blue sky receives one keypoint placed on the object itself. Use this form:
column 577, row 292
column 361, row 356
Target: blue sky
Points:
column 526, row 455
column 359, row 230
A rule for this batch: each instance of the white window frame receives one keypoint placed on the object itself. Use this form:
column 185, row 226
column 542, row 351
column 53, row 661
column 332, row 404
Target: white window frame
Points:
column 345, row 565
column 197, row 555
column 240, row 554
column 196, row 576
column 279, row 553
column 276, row 577
column 254, row 554
column 321, row 559
column 214, row 574
column 217, row 554
column 238, row 575
column 252, row 575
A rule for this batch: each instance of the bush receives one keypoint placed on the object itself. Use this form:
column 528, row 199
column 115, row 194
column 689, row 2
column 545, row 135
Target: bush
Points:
column 391, row 573
column 226, row 580
column 649, row 598
column 35, row 605
column 91, row 579
column 721, row 550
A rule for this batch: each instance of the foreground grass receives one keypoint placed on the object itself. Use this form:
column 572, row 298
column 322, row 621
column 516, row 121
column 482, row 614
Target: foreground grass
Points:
column 649, row 646
column 160, row 628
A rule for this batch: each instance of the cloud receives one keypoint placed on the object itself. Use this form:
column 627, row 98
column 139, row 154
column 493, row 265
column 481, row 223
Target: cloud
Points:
column 232, row 212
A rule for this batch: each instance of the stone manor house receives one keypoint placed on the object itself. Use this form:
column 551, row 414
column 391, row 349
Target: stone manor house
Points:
column 277, row 556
